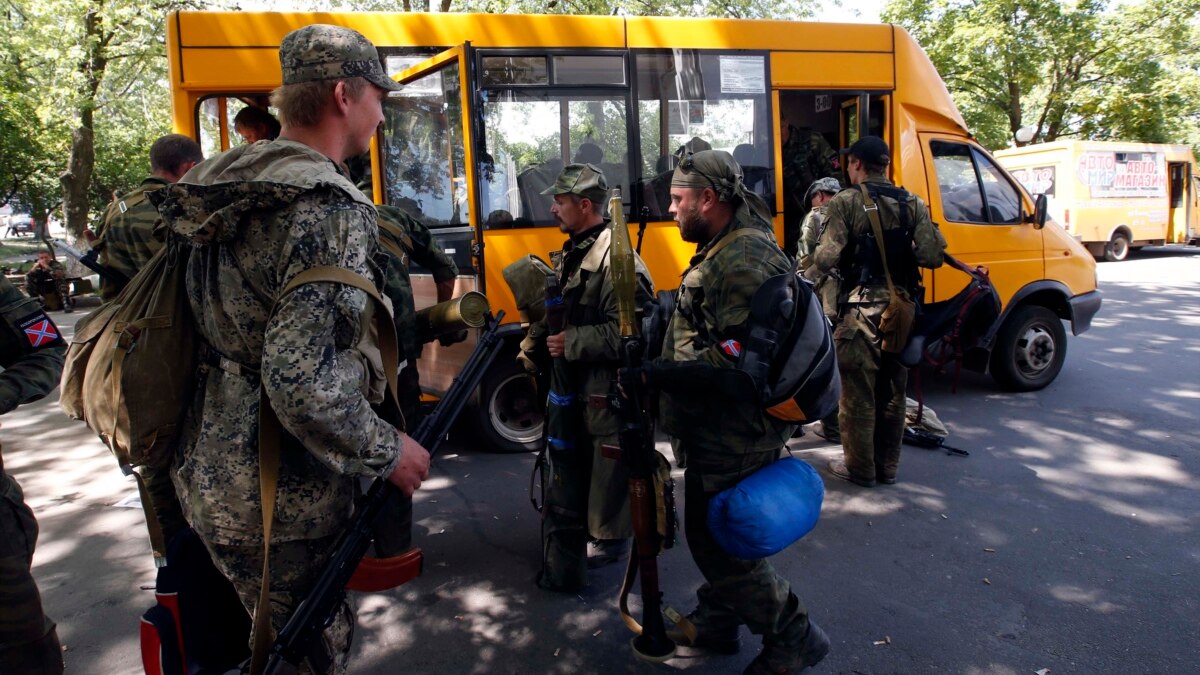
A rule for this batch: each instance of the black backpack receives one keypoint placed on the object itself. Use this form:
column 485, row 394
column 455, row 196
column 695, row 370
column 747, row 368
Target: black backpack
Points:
column 945, row 330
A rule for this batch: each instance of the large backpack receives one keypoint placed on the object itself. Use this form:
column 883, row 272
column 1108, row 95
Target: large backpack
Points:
column 788, row 348
column 945, row 330
column 130, row 369
column 790, row 351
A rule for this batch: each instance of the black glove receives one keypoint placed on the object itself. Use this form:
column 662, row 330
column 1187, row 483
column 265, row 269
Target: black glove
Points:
column 452, row 338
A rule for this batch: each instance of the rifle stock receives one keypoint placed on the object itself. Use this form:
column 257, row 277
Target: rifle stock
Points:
column 301, row 634
column 637, row 445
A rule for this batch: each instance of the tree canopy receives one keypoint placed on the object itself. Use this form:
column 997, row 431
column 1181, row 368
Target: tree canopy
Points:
column 1085, row 69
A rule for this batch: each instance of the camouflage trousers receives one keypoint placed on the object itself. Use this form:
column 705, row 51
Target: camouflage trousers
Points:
column 736, row 591
column 872, row 405
column 28, row 639
column 587, row 495
column 295, row 566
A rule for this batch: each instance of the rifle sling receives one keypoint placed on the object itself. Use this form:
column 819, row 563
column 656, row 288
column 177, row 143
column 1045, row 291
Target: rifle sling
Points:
column 631, row 571
column 270, row 431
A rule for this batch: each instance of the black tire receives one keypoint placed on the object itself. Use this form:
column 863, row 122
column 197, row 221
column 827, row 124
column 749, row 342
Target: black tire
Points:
column 1117, row 248
column 1030, row 349
column 509, row 416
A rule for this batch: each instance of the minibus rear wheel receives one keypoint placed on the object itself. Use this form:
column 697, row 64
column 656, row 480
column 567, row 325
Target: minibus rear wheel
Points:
column 1117, row 248
column 1030, row 349
column 508, row 416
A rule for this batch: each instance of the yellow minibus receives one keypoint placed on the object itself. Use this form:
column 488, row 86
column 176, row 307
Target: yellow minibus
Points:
column 495, row 104
column 1114, row 196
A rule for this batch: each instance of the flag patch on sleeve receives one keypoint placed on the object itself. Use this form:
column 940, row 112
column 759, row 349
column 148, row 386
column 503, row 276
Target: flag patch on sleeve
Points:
column 39, row 330
column 732, row 348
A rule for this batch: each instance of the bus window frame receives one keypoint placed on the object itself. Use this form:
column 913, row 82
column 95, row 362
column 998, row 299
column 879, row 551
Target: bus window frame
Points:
column 637, row 183
column 569, row 91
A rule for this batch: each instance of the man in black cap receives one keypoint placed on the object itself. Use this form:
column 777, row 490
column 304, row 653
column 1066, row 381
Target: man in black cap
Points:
column 873, row 379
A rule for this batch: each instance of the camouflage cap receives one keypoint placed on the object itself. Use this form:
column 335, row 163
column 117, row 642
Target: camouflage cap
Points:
column 585, row 180
column 323, row 52
column 827, row 184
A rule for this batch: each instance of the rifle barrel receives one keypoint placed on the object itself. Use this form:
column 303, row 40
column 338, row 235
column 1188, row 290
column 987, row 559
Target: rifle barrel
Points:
column 312, row 615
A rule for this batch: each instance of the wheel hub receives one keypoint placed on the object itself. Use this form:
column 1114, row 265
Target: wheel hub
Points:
column 1035, row 352
column 512, row 411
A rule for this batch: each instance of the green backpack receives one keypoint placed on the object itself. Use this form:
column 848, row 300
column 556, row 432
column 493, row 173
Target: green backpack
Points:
column 130, row 370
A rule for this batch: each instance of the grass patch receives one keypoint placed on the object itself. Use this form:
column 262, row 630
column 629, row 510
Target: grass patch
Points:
column 19, row 247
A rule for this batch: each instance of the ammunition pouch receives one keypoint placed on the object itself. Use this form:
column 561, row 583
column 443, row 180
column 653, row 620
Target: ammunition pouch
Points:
column 896, row 323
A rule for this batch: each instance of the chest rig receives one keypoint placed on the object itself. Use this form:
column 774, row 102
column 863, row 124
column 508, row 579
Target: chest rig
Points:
column 864, row 265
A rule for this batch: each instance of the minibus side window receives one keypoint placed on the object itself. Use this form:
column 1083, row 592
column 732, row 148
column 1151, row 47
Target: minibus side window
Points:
column 972, row 188
column 530, row 135
column 209, row 121
column 1003, row 203
column 424, row 158
column 690, row 100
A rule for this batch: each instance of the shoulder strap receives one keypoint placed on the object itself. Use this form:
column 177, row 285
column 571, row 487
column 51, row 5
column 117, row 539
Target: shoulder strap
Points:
column 270, row 433
column 404, row 248
column 728, row 239
column 872, row 210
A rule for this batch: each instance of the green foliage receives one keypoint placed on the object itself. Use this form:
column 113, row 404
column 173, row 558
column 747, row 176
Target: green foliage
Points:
column 1087, row 69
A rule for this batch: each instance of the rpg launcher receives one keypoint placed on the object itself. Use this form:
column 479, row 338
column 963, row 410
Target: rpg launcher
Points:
column 637, row 451
column 301, row 636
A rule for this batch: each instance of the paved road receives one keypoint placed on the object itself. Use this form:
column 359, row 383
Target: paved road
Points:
column 1067, row 540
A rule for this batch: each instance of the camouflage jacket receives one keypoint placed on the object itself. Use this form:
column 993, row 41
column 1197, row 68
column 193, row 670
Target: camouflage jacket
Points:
column 38, row 280
column 31, row 355
column 131, row 234
column 712, row 307
column 846, row 219
column 420, row 247
column 809, row 231
column 807, row 156
column 592, row 337
column 257, row 216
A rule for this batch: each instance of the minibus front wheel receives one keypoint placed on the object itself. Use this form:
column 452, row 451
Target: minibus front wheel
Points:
column 1030, row 349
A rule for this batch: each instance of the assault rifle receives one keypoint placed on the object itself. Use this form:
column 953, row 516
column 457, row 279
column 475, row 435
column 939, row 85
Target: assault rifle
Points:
column 89, row 260
column 301, row 636
column 637, row 450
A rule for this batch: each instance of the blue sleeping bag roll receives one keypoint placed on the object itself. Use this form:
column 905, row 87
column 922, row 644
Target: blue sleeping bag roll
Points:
column 767, row 511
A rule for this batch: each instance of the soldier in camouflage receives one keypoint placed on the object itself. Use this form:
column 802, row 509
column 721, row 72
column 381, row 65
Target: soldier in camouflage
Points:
column 257, row 216
column 31, row 355
column 590, row 343
column 873, row 381
column 807, row 156
column 713, row 413
column 47, row 281
column 818, row 195
column 407, row 240
column 131, row 231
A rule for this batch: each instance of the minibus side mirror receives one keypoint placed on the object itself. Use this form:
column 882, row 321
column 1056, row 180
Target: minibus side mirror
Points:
column 1040, row 205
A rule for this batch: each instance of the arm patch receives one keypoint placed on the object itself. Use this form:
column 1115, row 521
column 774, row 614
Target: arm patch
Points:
column 39, row 331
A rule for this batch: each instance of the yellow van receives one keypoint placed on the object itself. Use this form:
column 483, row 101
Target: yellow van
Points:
column 1114, row 197
column 495, row 105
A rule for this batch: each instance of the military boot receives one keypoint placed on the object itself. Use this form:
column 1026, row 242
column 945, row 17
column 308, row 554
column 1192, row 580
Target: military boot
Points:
column 781, row 658
column 717, row 636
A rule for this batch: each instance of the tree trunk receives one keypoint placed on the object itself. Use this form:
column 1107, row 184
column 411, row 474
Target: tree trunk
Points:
column 76, row 179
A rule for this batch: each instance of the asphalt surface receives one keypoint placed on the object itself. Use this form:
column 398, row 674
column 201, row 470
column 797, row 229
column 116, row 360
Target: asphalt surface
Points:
column 1066, row 542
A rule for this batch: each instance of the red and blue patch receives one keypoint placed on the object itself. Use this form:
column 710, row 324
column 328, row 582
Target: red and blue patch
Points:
column 40, row 331
column 732, row 348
